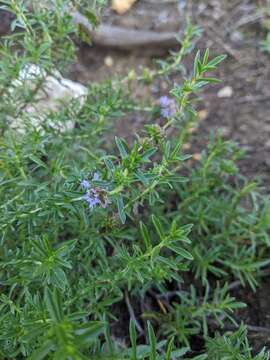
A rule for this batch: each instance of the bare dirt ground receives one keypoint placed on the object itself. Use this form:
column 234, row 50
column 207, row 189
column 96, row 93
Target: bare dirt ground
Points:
column 233, row 27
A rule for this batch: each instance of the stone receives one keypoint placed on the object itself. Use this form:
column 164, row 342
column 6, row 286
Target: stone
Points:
column 225, row 92
column 55, row 93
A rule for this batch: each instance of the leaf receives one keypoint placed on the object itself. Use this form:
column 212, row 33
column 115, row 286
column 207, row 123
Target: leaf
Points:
column 209, row 80
column 121, row 209
column 170, row 263
column 152, row 341
column 180, row 251
column 158, row 226
column 84, row 37
column 177, row 148
column 155, row 253
column 196, row 67
column 145, row 235
column 60, row 278
column 148, row 153
column 169, row 349
column 43, row 351
column 133, row 339
column 91, row 16
column 206, row 57
column 36, row 160
column 110, row 166
column 90, row 331
column 53, row 304
column 177, row 353
column 217, row 60
column 121, row 147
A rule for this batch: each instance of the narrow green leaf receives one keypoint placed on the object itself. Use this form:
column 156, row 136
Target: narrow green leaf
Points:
column 152, row 341
column 42, row 352
column 209, row 80
column 176, row 149
column 196, row 68
column 108, row 338
column 206, row 57
column 155, row 252
column 53, row 304
column 90, row 331
column 180, row 251
column 109, row 164
column 148, row 153
column 121, row 147
column 217, row 60
column 91, row 16
column 133, row 339
column 169, row 349
column 60, row 278
column 37, row 161
column 145, row 235
column 121, row 209
column 158, row 226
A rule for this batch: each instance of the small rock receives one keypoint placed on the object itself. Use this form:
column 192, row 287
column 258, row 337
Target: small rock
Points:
column 203, row 114
column 192, row 130
column 267, row 144
column 225, row 92
column 186, row 146
column 225, row 131
column 237, row 37
column 196, row 156
column 55, row 93
column 122, row 6
column 108, row 61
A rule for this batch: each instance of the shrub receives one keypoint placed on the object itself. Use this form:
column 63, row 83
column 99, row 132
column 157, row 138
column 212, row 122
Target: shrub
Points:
column 87, row 224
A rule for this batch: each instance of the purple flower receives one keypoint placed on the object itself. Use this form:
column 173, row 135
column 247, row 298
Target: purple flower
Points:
column 168, row 107
column 164, row 101
column 165, row 112
column 92, row 199
column 85, row 184
column 96, row 177
column 94, row 196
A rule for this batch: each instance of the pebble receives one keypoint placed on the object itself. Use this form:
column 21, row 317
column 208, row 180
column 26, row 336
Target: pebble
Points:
column 267, row 144
column 108, row 61
column 225, row 131
column 225, row 92
column 197, row 156
column 56, row 92
column 186, row 146
column 203, row 114
column 122, row 6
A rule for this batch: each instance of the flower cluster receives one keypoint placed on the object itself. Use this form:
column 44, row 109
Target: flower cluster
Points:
column 94, row 196
column 168, row 106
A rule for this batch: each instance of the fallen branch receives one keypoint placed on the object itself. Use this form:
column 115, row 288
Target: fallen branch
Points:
column 124, row 38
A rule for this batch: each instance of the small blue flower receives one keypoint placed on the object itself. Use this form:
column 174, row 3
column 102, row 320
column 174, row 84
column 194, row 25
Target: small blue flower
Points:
column 168, row 107
column 164, row 101
column 85, row 184
column 165, row 112
column 91, row 197
column 94, row 195
column 96, row 177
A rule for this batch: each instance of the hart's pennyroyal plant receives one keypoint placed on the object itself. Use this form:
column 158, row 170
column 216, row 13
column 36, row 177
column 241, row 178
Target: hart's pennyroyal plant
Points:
column 71, row 278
